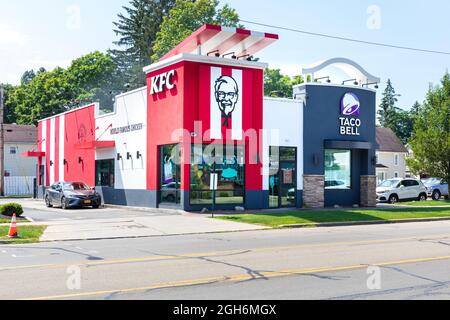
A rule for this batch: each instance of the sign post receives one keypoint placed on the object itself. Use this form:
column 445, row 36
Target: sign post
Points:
column 213, row 187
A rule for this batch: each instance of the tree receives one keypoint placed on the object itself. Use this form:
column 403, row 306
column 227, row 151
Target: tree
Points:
column 403, row 124
column 88, row 79
column 187, row 16
column 431, row 139
column 387, row 107
column 278, row 85
column 137, row 30
column 27, row 76
column 93, row 77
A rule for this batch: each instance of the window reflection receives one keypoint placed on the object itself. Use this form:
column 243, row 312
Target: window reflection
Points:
column 338, row 169
column 228, row 163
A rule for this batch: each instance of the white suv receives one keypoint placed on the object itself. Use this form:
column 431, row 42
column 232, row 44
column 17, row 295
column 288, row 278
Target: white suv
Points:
column 393, row 190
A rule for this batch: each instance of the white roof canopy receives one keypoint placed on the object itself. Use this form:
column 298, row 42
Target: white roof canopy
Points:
column 349, row 67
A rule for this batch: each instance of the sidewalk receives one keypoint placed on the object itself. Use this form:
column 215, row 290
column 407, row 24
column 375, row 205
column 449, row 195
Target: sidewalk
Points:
column 125, row 222
column 140, row 227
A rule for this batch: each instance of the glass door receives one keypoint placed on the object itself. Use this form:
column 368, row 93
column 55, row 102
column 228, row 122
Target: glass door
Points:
column 170, row 172
column 283, row 177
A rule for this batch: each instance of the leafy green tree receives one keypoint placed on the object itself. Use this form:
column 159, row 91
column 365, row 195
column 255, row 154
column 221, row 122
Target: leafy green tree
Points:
column 403, row 124
column 387, row 112
column 431, row 139
column 137, row 29
column 9, row 115
column 90, row 78
column 27, row 76
column 187, row 16
column 93, row 78
column 278, row 85
column 46, row 94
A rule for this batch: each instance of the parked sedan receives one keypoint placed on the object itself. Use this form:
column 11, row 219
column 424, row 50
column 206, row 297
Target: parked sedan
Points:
column 436, row 188
column 72, row 194
column 393, row 190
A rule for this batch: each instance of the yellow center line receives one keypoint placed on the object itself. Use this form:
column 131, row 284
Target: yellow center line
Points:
column 216, row 253
column 234, row 278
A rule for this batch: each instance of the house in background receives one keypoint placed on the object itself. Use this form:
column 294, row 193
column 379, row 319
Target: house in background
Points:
column 391, row 156
column 19, row 171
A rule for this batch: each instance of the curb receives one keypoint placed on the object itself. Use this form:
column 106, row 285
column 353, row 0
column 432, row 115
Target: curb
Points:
column 358, row 223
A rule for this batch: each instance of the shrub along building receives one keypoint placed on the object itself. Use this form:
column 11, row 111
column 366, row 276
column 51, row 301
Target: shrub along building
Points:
column 201, row 133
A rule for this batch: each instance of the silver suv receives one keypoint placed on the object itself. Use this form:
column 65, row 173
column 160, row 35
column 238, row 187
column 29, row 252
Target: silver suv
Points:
column 394, row 190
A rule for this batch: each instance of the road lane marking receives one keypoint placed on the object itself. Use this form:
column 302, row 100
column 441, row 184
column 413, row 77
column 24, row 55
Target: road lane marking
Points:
column 216, row 253
column 235, row 278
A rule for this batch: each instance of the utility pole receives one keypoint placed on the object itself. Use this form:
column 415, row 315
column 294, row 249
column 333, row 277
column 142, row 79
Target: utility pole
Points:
column 2, row 143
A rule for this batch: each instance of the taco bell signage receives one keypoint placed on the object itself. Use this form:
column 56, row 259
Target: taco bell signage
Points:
column 350, row 112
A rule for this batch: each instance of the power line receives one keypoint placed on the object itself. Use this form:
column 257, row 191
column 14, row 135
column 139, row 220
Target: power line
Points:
column 323, row 35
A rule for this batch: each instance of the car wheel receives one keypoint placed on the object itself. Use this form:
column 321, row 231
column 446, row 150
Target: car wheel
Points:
column 422, row 197
column 63, row 203
column 47, row 202
column 436, row 195
column 96, row 207
column 393, row 199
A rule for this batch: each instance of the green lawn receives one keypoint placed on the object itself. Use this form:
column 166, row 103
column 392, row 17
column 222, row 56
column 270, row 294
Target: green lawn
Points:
column 4, row 219
column 278, row 219
column 27, row 234
column 440, row 203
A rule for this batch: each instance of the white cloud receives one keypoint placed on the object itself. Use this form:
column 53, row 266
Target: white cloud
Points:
column 11, row 36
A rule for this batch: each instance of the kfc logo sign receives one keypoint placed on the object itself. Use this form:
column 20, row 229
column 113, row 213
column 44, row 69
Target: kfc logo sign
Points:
column 226, row 102
column 227, row 95
column 162, row 82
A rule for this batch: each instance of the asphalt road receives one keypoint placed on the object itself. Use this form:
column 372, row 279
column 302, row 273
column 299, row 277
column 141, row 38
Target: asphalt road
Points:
column 325, row 263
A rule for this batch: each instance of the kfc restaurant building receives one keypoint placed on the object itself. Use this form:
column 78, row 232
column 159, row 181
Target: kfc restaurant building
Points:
column 202, row 133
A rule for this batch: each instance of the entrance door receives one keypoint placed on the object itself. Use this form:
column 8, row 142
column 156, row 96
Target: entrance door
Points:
column 170, row 170
column 283, row 177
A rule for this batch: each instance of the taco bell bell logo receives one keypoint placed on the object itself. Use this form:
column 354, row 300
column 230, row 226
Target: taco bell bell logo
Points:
column 350, row 111
column 350, row 105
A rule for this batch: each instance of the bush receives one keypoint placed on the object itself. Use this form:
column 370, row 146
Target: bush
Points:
column 9, row 209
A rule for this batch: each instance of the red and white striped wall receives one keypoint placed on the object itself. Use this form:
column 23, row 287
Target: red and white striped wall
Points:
column 58, row 139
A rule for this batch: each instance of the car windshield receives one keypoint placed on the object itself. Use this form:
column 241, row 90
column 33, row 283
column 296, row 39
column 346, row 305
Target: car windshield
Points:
column 76, row 186
column 389, row 184
column 430, row 181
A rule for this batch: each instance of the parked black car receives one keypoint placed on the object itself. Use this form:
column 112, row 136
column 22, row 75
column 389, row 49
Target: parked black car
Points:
column 72, row 195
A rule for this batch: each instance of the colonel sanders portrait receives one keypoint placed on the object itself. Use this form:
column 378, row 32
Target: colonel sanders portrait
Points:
column 227, row 95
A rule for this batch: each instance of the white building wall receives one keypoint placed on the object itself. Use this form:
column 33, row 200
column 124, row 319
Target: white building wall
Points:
column 283, row 126
column 17, row 165
column 130, row 110
column 388, row 159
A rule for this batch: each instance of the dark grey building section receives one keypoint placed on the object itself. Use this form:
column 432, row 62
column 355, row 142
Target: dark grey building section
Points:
column 132, row 198
column 321, row 127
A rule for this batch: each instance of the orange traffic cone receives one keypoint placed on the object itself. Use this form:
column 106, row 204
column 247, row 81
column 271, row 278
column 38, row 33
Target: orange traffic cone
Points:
column 13, row 228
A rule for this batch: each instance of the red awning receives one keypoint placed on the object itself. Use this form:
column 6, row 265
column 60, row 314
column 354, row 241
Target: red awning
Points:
column 212, row 38
column 96, row 145
column 33, row 154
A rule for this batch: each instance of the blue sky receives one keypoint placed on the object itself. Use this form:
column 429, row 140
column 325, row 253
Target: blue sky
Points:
column 51, row 33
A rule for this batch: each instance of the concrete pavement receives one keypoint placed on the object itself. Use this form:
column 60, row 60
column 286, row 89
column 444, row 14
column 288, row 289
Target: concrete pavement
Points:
column 281, row 264
column 116, row 222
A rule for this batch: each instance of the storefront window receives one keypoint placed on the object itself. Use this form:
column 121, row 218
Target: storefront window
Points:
column 170, row 174
column 228, row 163
column 104, row 173
column 338, row 169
